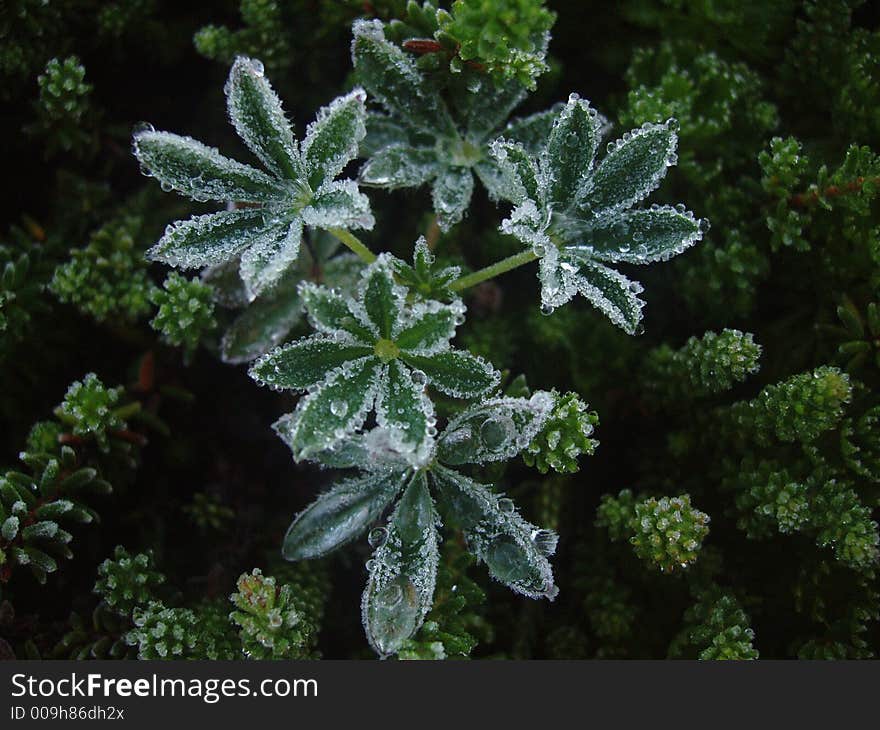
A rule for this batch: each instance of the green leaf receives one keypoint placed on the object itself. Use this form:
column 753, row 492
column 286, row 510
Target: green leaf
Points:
column 332, row 140
column 392, row 78
column 514, row 550
column 612, row 293
column 335, row 409
column 533, row 131
column 340, row 515
column 632, row 168
column 400, row 167
column 339, row 204
column 643, row 236
column 519, row 170
column 208, row 239
column 382, row 132
column 403, row 572
column 486, row 109
column 451, row 195
column 406, row 412
column 201, row 172
column 256, row 114
column 262, row 326
column 328, row 311
column 431, row 327
column 383, row 300
column 456, row 373
column 571, row 148
column 304, row 363
column 270, row 255
column 493, row 430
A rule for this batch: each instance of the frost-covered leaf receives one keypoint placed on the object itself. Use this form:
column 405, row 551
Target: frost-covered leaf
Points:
column 643, row 236
column 392, row 78
column 270, row 255
column 424, row 278
column 515, row 551
column 491, row 177
column 382, row 298
column 332, row 410
column 400, row 166
column 225, row 282
column 402, row 571
column 493, row 430
column 534, row 130
column 339, row 204
column 208, row 239
column 256, row 114
column 612, row 293
column 382, row 132
column 328, row 311
column 262, row 326
column 406, row 413
column 431, row 327
column 487, row 108
column 521, row 179
column 451, row 194
column 375, row 450
column 341, row 514
column 571, row 148
column 304, row 363
column 456, row 373
column 633, row 167
column 201, row 172
column 331, row 141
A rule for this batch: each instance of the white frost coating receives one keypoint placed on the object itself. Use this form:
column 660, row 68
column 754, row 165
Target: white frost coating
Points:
column 475, row 375
column 339, row 204
column 270, row 255
column 520, row 178
column 428, row 326
column 332, row 140
column 327, row 309
column 612, row 294
column 494, row 430
column 451, row 195
column 383, row 266
column 265, row 129
column 207, row 239
column 514, row 550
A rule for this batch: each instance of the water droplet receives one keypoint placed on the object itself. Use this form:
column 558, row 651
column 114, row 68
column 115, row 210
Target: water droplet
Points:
column 419, row 377
column 505, row 505
column 496, row 431
column 339, row 408
column 377, row 537
column 546, row 310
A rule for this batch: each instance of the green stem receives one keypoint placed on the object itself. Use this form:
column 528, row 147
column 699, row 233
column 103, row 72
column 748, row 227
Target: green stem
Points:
column 354, row 243
column 490, row 272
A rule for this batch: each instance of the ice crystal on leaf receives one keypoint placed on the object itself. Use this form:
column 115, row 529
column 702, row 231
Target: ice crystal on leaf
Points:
column 576, row 213
column 402, row 570
column 422, row 139
column 298, row 188
column 371, row 351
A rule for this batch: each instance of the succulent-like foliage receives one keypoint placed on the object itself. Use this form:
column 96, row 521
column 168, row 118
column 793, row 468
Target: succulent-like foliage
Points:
column 64, row 106
column 271, row 625
column 798, row 409
column 186, row 311
column 92, row 410
column 34, row 506
column 565, row 436
column 127, row 581
column 20, row 297
column 668, row 531
column 710, row 364
column 107, row 279
column 576, row 215
column 716, row 628
column 297, row 190
column 371, row 352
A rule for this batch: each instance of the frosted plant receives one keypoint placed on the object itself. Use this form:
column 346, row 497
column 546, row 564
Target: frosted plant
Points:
column 297, row 190
column 402, row 570
column 373, row 350
column 266, row 322
column 422, row 139
column 576, row 215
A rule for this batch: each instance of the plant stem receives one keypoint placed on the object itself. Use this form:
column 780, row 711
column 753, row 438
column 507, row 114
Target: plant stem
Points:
column 490, row 272
column 354, row 243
